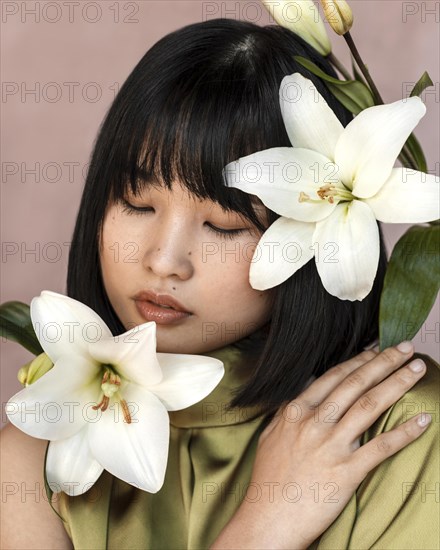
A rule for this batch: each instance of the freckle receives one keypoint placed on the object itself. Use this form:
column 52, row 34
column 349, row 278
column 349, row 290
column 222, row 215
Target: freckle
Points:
column 158, row 249
column 189, row 253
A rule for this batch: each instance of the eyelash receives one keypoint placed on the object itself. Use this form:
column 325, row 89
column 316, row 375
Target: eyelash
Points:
column 223, row 233
column 136, row 210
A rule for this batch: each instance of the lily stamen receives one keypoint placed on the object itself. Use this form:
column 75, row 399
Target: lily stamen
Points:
column 103, row 404
column 110, row 384
column 303, row 197
column 125, row 411
column 327, row 191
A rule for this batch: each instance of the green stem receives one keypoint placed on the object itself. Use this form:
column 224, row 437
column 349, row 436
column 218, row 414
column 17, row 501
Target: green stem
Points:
column 339, row 66
column 363, row 68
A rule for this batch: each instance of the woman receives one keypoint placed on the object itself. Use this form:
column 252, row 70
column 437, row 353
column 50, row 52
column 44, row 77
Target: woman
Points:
column 272, row 473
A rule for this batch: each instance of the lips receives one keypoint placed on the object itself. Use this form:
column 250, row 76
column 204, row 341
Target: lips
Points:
column 163, row 309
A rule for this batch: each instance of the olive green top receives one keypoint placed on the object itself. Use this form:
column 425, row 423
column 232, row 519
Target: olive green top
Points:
column 210, row 462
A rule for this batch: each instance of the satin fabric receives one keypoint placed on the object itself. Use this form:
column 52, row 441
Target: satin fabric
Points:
column 210, row 462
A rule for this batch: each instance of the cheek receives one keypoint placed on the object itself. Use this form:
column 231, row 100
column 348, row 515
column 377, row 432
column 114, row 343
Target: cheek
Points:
column 107, row 246
column 230, row 277
column 120, row 240
column 257, row 302
column 112, row 252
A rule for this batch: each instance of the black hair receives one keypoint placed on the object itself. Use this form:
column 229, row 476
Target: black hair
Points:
column 203, row 96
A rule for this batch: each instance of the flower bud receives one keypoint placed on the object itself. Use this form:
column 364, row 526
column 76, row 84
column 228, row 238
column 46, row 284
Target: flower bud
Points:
column 32, row 371
column 338, row 14
column 23, row 373
column 301, row 17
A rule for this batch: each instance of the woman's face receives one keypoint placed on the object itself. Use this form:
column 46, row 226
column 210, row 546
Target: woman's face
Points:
column 182, row 262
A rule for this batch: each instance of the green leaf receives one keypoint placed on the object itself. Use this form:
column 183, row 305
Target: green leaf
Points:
column 16, row 325
column 353, row 95
column 412, row 147
column 416, row 153
column 421, row 85
column 411, row 284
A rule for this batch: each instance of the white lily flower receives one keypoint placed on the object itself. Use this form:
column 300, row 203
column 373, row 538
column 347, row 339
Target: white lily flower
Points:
column 331, row 187
column 301, row 17
column 104, row 403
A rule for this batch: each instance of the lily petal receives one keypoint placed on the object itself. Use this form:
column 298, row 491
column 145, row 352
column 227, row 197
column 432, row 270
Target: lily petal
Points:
column 70, row 466
column 136, row 453
column 407, row 197
column 283, row 249
column 133, row 354
column 370, row 144
column 278, row 176
column 350, row 274
column 53, row 407
column 310, row 122
column 187, row 379
column 61, row 322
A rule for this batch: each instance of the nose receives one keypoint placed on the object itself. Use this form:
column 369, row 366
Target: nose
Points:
column 168, row 252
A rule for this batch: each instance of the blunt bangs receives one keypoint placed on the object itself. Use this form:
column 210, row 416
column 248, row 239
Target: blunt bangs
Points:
column 183, row 117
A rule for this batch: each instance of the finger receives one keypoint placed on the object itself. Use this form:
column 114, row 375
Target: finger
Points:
column 386, row 444
column 372, row 404
column 359, row 381
column 320, row 388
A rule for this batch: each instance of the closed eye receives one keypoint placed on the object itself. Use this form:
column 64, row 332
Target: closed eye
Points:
column 225, row 233
column 129, row 208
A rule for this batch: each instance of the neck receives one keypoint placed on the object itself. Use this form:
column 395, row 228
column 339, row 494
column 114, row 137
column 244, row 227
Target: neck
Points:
column 239, row 359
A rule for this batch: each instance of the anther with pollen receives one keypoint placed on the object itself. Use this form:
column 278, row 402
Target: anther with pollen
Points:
column 303, row 197
column 327, row 192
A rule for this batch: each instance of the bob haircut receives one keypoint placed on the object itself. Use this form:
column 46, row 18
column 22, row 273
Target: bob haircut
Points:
column 201, row 97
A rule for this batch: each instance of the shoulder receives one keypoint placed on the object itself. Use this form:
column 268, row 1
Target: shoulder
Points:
column 397, row 504
column 27, row 518
column 423, row 397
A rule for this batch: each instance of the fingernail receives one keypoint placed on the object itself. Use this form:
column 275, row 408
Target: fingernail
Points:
column 405, row 347
column 424, row 419
column 417, row 365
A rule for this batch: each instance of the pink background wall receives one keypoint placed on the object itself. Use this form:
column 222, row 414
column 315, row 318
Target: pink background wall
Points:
column 74, row 57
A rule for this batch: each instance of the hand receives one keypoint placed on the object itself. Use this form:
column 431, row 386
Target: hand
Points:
column 309, row 461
